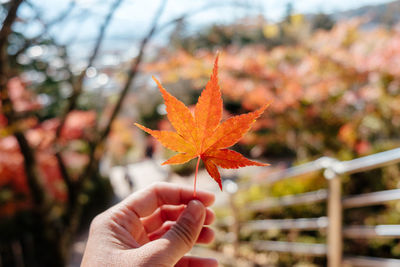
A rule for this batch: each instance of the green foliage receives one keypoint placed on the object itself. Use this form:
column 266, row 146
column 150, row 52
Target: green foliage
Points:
column 322, row 21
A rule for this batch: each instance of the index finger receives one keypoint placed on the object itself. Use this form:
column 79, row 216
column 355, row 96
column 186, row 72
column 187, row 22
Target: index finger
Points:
column 146, row 201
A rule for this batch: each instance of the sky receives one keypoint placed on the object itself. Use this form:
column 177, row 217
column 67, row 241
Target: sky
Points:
column 132, row 19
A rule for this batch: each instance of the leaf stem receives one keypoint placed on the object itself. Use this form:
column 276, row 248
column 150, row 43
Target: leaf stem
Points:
column 195, row 175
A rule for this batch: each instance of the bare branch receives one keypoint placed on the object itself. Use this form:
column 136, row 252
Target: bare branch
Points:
column 66, row 177
column 77, row 86
column 132, row 72
column 26, row 151
column 7, row 109
column 155, row 29
column 46, row 26
column 4, row 33
column 72, row 101
column 97, row 144
column 63, row 14
column 9, row 20
column 31, row 171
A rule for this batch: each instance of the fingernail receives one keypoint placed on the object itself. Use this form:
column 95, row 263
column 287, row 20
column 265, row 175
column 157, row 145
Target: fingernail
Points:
column 195, row 209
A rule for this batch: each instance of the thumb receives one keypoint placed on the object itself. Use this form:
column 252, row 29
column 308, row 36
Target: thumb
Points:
column 183, row 235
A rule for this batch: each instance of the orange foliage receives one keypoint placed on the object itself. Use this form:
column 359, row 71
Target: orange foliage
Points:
column 202, row 135
column 332, row 79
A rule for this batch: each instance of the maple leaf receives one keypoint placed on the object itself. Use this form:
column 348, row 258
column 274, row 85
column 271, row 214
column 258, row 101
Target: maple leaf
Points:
column 202, row 135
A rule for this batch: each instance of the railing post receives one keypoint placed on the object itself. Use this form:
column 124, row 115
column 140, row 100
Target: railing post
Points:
column 334, row 218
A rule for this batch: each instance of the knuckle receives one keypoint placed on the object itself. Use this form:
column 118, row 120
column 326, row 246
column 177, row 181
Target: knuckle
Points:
column 157, row 185
column 183, row 232
column 98, row 221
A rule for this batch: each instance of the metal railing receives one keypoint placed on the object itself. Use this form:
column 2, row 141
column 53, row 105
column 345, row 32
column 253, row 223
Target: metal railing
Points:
column 332, row 170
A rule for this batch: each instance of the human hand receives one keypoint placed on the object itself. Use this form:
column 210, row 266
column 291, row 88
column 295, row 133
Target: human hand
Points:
column 156, row 226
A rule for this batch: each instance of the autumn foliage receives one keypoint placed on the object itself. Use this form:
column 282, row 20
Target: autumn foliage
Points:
column 202, row 135
column 335, row 93
column 41, row 136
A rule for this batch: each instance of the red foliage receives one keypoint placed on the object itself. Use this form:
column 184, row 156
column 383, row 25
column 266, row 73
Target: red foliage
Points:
column 77, row 124
column 23, row 100
column 41, row 137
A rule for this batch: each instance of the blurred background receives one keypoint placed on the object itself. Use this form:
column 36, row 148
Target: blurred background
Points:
column 75, row 75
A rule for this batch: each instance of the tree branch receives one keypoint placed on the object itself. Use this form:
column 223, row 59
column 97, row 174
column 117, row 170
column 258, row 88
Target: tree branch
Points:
column 132, row 72
column 155, row 29
column 5, row 31
column 46, row 26
column 135, row 64
column 98, row 144
column 7, row 109
column 31, row 171
column 77, row 85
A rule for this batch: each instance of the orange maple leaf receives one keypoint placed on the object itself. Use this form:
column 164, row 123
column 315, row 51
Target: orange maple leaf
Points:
column 202, row 135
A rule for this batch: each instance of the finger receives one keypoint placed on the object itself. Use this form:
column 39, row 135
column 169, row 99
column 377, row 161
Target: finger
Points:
column 146, row 201
column 118, row 219
column 189, row 261
column 170, row 213
column 176, row 242
column 206, row 235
